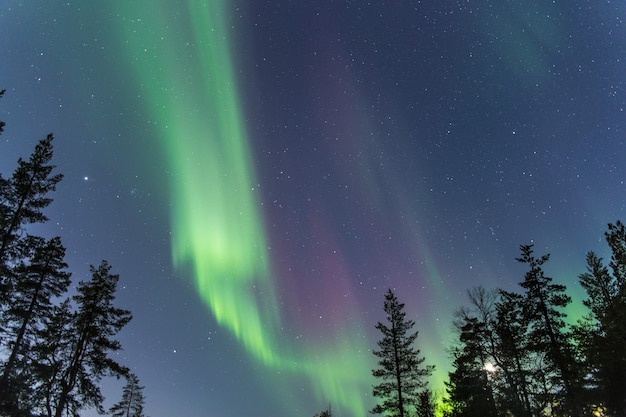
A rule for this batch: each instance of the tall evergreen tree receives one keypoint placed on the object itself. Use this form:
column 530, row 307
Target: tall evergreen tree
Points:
column 22, row 199
column 51, row 355
column 544, row 302
column 601, row 335
column 400, row 363
column 132, row 402
column 40, row 280
column 95, row 324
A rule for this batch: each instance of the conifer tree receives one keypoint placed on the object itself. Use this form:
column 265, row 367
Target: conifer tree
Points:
column 400, row 363
column 132, row 402
column 22, row 199
column 602, row 334
column 95, row 324
column 425, row 404
column 544, row 302
column 40, row 280
column 51, row 355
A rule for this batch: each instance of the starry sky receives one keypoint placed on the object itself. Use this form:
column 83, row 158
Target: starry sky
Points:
column 260, row 172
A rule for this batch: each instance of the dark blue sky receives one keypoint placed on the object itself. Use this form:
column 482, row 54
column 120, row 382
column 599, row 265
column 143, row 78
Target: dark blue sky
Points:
column 411, row 145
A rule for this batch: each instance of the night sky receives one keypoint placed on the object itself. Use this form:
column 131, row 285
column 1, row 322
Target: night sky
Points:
column 260, row 172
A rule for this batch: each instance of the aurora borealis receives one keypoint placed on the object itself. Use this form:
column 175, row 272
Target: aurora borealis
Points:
column 259, row 173
column 217, row 225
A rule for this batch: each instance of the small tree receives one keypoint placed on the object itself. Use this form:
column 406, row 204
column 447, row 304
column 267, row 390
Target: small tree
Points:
column 132, row 402
column 425, row 404
column 400, row 362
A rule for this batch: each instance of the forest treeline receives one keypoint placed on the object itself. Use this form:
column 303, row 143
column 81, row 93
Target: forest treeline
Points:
column 515, row 354
column 54, row 348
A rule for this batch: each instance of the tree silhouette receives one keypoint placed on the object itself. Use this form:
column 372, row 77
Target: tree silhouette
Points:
column 132, row 402
column 400, row 363
column 39, row 281
column 22, row 199
column 425, row 404
column 53, row 352
column 96, row 322
column 469, row 389
column 543, row 303
column 601, row 335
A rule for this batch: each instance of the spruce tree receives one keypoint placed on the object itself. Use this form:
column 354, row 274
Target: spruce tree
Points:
column 544, row 302
column 23, row 196
column 31, row 272
column 400, row 363
column 425, row 404
column 40, row 279
column 51, row 355
column 601, row 335
column 94, row 325
column 132, row 402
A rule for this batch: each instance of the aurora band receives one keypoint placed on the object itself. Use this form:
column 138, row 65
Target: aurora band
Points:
column 183, row 69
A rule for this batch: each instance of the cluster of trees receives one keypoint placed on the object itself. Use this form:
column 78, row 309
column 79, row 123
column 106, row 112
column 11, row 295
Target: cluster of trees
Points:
column 516, row 356
column 54, row 349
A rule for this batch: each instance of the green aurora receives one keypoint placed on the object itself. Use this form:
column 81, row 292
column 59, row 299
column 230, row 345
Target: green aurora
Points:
column 183, row 66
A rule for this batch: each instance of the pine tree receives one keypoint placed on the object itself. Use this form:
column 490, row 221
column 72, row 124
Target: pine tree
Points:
column 400, row 362
column 425, row 404
column 543, row 302
column 601, row 335
column 30, row 271
column 22, row 199
column 40, row 280
column 132, row 402
column 95, row 324
column 51, row 355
